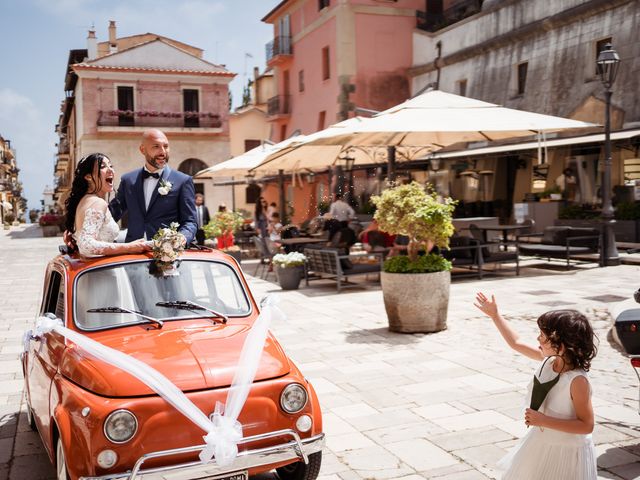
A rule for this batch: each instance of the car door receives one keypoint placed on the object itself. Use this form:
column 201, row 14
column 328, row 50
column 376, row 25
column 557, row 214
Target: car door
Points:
column 44, row 355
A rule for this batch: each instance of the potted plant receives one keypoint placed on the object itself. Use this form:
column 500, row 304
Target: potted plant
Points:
column 222, row 227
column 8, row 220
column 50, row 224
column 289, row 269
column 418, row 303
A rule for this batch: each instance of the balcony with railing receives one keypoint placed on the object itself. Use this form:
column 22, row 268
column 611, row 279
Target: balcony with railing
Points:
column 433, row 20
column 279, row 49
column 158, row 119
column 279, row 106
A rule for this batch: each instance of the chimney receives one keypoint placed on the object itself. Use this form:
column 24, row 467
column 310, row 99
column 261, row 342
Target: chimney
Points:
column 256, row 73
column 113, row 46
column 92, row 45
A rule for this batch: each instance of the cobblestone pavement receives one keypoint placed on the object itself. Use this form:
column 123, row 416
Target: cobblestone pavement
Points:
column 443, row 406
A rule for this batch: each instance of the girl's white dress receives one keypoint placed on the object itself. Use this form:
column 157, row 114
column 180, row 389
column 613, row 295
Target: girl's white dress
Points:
column 546, row 454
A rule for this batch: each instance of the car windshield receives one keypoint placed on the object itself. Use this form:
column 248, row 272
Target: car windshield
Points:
column 133, row 286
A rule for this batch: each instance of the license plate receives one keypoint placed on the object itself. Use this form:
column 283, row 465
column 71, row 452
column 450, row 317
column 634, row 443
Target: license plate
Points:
column 233, row 476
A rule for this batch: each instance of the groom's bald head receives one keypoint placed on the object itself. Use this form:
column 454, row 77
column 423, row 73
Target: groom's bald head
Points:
column 155, row 148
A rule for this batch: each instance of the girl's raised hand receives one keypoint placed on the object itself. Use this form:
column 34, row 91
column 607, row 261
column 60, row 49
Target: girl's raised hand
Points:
column 486, row 306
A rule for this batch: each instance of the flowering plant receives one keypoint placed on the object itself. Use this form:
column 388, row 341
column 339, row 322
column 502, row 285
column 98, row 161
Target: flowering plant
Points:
column 49, row 219
column 222, row 223
column 168, row 244
column 289, row 260
column 164, row 186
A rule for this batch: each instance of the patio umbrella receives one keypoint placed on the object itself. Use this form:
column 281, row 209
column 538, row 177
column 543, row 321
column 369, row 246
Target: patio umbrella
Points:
column 423, row 124
column 241, row 164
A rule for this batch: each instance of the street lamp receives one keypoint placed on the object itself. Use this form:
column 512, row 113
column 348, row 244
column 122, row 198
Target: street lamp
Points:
column 608, row 63
column 349, row 162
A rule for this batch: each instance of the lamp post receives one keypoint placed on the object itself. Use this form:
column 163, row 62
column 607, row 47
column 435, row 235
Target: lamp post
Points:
column 608, row 63
column 349, row 162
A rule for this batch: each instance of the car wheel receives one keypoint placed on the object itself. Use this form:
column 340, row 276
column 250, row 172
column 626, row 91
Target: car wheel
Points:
column 61, row 463
column 300, row 471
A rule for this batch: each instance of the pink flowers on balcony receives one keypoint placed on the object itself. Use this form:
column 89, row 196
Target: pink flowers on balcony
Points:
column 155, row 113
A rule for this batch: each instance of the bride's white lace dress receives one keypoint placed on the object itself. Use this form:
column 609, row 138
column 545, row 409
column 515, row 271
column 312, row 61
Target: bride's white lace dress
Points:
column 98, row 232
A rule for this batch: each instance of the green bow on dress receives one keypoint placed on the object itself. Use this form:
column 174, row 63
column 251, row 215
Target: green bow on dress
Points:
column 540, row 389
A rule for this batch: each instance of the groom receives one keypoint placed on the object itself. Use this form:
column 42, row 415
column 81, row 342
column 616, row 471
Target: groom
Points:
column 155, row 195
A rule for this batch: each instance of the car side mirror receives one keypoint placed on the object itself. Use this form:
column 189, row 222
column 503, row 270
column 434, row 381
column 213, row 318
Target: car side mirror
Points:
column 636, row 295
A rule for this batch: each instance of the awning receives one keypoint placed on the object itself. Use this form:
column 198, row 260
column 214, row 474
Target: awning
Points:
column 556, row 142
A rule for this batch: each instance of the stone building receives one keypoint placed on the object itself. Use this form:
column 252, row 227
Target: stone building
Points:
column 11, row 200
column 541, row 57
column 114, row 90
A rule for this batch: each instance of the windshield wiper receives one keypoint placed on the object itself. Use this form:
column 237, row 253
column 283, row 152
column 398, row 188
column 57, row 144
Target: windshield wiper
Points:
column 186, row 305
column 125, row 310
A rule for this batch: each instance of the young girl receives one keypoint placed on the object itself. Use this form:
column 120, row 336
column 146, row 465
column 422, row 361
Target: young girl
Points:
column 559, row 446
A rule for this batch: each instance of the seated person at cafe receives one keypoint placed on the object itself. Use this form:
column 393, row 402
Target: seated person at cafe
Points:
column 274, row 227
column 343, row 239
column 375, row 240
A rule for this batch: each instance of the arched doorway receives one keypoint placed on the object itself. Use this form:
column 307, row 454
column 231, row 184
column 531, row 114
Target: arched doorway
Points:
column 191, row 166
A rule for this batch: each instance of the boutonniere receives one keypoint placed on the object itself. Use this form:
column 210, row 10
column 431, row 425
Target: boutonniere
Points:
column 164, row 187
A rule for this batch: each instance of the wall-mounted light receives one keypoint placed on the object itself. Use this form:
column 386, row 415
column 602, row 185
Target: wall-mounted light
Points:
column 348, row 160
column 311, row 177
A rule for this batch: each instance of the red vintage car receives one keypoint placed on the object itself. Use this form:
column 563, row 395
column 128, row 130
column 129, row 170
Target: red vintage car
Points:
column 99, row 422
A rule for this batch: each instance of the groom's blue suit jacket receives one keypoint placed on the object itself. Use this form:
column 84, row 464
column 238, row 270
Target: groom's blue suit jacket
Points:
column 176, row 206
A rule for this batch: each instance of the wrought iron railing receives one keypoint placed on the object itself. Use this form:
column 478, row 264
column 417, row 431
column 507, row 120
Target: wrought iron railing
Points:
column 153, row 118
column 279, row 105
column 279, row 46
column 432, row 22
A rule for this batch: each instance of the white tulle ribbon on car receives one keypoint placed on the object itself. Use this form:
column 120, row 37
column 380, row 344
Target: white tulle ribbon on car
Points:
column 223, row 429
column 226, row 423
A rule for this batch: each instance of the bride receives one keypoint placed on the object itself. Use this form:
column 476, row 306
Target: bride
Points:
column 87, row 213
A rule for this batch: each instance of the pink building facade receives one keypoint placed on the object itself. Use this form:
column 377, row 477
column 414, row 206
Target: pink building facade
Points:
column 117, row 89
column 331, row 56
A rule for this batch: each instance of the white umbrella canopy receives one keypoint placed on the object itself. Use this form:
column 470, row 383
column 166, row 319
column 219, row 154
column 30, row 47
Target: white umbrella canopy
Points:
column 240, row 165
column 313, row 152
column 426, row 123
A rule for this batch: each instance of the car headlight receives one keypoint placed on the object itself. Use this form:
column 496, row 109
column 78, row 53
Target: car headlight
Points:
column 120, row 426
column 293, row 398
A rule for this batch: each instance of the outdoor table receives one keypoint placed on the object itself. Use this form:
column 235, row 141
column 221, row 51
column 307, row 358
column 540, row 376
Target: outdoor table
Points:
column 297, row 243
column 505, row 229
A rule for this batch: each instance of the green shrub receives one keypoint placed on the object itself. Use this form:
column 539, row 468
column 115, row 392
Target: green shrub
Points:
column 628, row 211
column 424, row 264
column 577, row 212
column 415, row 212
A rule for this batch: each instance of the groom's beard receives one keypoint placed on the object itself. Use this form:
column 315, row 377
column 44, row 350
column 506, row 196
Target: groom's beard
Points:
column 155, row 161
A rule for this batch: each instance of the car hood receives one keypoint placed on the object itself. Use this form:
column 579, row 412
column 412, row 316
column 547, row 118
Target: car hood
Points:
column 193, row 358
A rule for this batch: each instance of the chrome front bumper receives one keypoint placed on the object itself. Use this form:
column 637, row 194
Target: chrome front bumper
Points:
column 296, row 449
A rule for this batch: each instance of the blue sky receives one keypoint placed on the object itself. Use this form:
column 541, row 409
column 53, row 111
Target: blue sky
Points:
column 38, row 34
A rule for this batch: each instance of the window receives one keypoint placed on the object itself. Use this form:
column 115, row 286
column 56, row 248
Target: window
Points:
column 522, row 77
column 191, row 107
column 600, row 47
column 125, row 105
column 55, row 296
column 283, row 132
column 326, row 72
column 138, row 286
column 323, row 4
column 301, row 81
column 250, row 144
column 462, row 87
column 321, row 119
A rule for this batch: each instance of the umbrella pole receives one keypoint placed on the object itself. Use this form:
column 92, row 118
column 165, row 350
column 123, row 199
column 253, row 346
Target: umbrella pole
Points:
column 391, row 168
column 283, row 210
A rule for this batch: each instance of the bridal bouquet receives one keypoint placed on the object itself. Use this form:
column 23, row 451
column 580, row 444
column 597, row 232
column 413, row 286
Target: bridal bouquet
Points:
column 168, row 244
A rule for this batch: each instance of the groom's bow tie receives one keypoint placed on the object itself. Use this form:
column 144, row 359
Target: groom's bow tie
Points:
column 146, row 174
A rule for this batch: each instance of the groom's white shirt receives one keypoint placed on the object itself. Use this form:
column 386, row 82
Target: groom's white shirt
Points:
column 149, row 185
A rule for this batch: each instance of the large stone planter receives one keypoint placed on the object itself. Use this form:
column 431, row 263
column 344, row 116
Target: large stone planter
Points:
column 416, row 302
column 50, row 230
column 289, row 278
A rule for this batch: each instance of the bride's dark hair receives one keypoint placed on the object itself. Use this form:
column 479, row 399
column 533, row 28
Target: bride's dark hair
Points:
column 80, row 186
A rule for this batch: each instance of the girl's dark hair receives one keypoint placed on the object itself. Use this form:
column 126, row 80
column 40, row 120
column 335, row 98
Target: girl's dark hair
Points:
column 572, row 330
column 80, row 186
